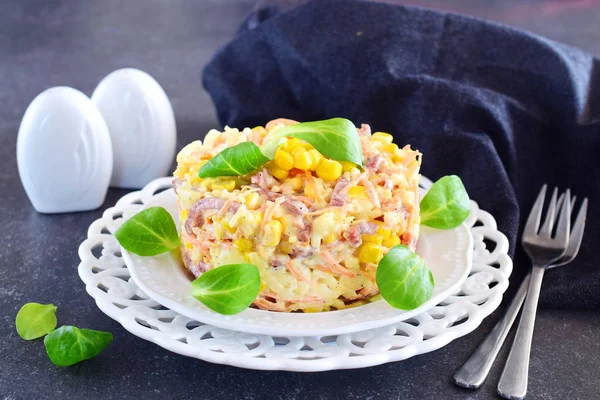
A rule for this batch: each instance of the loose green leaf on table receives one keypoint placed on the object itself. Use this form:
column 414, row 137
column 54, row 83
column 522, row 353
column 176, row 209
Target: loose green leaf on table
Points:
column 69, row 345
column 335, row 138
column 403, row 279
column 35, row 320
column 237, row 160
column 149, row 232
column 446, row 204
column 228, row 289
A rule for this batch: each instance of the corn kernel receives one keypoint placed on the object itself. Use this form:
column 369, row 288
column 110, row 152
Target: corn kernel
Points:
column 310, row 191
column 228, row 185
column 313, row 309
column 383, row 231
column 252, row 200
column 291, row 144
column 260, row 130
column 286, row 247
column 330, row 238
column 302, row 160
column 189, row 246
column 369, row 253
column 399, row 156
column 347, row 166
column 283, row 159
column 391, row 241
column 382, row 137
column 295, row 183
column 372, row 239
column 183, row 215
column 195, row 180
column 277, row 172
column 273, row 231
column 244, row 244
column 229, row 228
column 283, row 224
column 358, row 192
column 390, row 148
column 329, row 169
column 299, row 149
column 316, row 158
column 263, row 286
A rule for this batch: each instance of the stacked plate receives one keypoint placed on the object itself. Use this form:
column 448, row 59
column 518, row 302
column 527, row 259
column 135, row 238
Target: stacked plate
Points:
column 150, row 297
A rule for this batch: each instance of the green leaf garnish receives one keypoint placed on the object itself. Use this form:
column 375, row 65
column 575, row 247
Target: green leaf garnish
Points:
column 446, row 204
column 403, row 279
column 335, row 138
column 149, row 232
column 35, row 320
column 237, row 160
column 69, row 345
column 228, row 289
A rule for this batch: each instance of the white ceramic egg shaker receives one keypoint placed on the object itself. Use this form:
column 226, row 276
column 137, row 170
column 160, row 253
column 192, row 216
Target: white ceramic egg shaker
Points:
column 64, row 144
column 64, row 153
column 141, row 123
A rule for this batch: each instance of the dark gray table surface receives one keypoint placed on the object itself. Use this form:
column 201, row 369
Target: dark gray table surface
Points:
column 75, row 43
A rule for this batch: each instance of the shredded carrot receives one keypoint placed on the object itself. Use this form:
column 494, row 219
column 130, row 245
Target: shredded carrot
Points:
column 203, row 245
column 324, row 268
column 270, row 211
column 308, row 300
column 368, row 271
column 289, row 265
column 225, row 207
column 368, row 293
column 354, row 181
column 371, row 192
column 335, row 266
column 305, row 299
column 306, row 200
column 311, row 181
column 295, row 172
column 265, row 304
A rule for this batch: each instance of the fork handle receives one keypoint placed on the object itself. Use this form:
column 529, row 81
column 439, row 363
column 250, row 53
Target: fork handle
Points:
column 513, row 381
column 474, row 372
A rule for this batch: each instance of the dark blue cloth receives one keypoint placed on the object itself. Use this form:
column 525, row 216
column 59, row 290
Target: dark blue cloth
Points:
column 503, row 109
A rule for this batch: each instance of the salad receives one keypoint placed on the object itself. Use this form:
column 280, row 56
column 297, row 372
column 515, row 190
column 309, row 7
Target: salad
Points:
column 314, row 216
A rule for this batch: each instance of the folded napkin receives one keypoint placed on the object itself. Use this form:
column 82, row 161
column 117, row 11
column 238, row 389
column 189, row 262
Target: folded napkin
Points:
column 504, row 109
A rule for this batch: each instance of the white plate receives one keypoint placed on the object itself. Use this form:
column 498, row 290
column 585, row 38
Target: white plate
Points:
column 109, row 282
column 447, row 253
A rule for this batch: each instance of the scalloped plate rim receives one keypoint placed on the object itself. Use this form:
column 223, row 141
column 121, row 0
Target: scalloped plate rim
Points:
column 474, row 307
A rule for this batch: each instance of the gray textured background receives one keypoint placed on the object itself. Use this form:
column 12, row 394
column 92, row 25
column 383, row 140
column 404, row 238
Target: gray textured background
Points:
column 75, row 43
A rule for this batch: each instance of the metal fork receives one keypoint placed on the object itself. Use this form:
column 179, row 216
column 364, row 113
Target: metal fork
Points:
column 543, row 249
column 476, row 369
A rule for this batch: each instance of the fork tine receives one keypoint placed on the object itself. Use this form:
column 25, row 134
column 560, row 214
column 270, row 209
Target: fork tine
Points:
column 577, row 231
column 560, row 201
column 573, row 203
column 533, row 221
column 564, row 221
column 550, row 215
